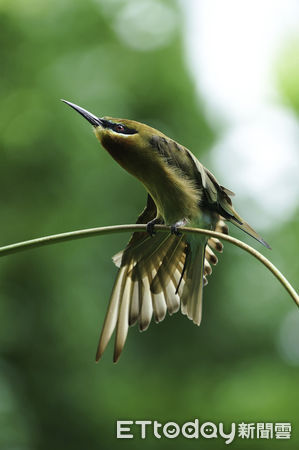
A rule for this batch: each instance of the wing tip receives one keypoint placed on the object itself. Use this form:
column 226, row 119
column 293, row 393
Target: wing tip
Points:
column 98, row 356
column 262, row 241
column 116, row 355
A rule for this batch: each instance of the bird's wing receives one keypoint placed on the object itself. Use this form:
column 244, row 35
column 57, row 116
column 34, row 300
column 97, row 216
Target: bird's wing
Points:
column 150, row 280
column 217, row 197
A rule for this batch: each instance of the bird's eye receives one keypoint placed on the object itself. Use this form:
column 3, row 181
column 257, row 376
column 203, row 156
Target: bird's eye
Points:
column 119, row 128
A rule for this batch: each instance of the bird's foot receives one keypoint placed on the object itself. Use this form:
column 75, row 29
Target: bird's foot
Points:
column 174, row 227
column 150, row 227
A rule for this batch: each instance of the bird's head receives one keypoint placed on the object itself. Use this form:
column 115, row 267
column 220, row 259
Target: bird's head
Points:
column 128, row 141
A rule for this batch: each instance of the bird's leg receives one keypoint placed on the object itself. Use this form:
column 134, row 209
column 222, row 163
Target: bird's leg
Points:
column 174, row 227
column 150, row 227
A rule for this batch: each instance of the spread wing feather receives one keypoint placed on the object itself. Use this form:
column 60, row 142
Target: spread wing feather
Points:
column 218, row 198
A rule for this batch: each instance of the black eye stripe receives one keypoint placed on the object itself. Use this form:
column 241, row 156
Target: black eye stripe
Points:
column 123, row 129
column 114, row 126
column 119, row 128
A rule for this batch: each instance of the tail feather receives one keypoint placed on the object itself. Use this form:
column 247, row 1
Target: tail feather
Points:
column 207, row 268
column 193, row 290
column 112, row 313
column 221, row 227
column 215, row 244
column 156, row 275
column 135, row 302
column 171, row 298
column 146, row 310
column 158, row 300
column 159, row 306
column 149, row 253
column 123, row 317
column 168, row 265
column 145, row 307
column 210, row 255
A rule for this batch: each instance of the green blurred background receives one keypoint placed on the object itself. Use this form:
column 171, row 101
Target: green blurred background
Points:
column 241, row 364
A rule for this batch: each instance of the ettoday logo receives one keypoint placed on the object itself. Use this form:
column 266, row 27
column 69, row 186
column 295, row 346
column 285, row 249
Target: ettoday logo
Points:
column 129, row 429
column 171, row 430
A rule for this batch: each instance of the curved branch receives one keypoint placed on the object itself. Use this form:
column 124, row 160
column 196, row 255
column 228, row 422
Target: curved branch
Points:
column 79, row 234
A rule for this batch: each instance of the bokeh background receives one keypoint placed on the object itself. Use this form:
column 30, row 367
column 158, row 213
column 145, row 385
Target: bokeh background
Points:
column 219, row 77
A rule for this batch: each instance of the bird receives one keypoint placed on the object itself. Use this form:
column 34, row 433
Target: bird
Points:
column 159, row 272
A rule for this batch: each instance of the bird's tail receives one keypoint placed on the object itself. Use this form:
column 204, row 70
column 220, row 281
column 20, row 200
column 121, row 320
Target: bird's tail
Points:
column 157, row 274
column 132, row 299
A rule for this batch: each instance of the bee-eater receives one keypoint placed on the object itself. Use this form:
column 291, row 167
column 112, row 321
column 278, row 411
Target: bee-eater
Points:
column 162, row 272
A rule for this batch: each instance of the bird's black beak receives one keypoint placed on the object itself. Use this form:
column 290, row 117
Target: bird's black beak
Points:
column 95, row 121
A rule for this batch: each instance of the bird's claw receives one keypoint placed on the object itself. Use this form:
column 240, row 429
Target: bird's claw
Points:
column 174, row 230
column 174, row 227
column 150, row 228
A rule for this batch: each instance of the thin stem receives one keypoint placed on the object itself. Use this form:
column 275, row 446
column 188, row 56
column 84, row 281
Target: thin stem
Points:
column 79, row 234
